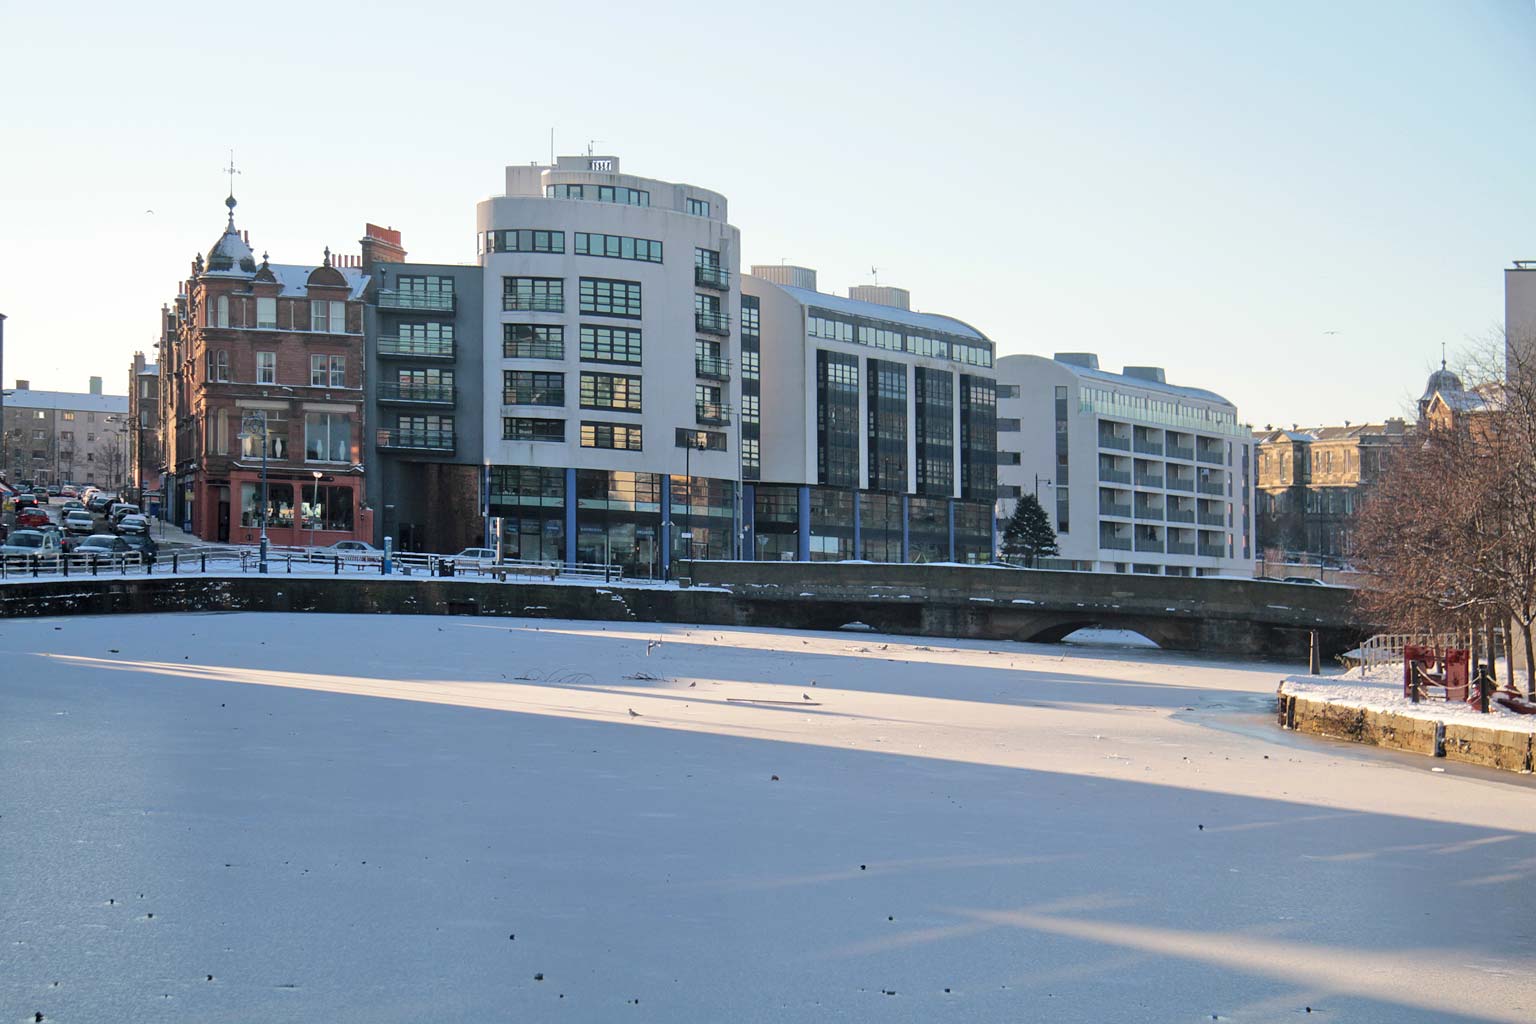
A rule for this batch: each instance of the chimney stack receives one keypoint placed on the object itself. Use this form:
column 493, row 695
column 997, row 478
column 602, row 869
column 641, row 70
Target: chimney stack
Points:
column 95, row 385
column 381, row 245
column 23, row 385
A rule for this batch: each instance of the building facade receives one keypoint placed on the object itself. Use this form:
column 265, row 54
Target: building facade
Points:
column 262, row 398
column 66, row 437
column 1137, row 475
column 868, row 429
column 426, row 360
column 146, row 457
column 610, row 382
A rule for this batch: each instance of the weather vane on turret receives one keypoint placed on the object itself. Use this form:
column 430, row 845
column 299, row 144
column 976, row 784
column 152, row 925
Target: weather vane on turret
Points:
column 230, row 202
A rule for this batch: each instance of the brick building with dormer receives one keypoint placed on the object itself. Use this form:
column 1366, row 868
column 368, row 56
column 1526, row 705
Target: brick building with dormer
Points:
column 265, row 358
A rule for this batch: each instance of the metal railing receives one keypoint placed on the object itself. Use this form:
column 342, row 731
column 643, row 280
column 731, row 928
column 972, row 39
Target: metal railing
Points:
column 1180, row 452
column 1212, row 551
column 1148, row 512
column 711, row 277
column 1144, row 447
column 1115, row 441
column 711, row 323
column 1213, row 458
column 712, row 412
column 1211, row 519
column 1181, row 515
column 1114, row 476
column 1112, row 543
column 1110, row 508
column 533, row 350
column 420, row 440
column 1180, row 484
column 1153, row 545
column 420, row 394
column 533, row 396
column 1176, row 547
column 712, row 367
column 416, row 348
column 1148, row 480
column 390, row 298
column 514, row 303
column 1212, row 487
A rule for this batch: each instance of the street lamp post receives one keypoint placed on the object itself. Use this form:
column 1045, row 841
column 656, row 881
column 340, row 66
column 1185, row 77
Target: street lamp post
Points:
column 315, row 512
column 256, row 426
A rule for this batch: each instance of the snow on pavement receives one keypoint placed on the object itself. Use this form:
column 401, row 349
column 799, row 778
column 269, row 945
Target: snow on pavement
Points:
column 458, row 818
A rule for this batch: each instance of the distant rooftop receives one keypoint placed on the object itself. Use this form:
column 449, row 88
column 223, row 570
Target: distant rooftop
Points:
column 77, row 401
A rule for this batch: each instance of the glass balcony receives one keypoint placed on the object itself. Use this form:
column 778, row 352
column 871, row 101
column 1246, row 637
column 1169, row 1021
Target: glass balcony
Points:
column 1178, row 451
column 1212, row 487
column 711, row 277
column 707, row 322
column 712, row 413
column 1147, row 446
column 1181, row 515
column 1148, row 512
column 1181, row 484
column 1113, row 543
column 1176, row 547
column 1115, row 441
column 1213, row 551
column 1110, row 508
column 392, row 299
column 712, row 367
column 416, row 440
column 415, row 348
column 1211, row 456
column 1149, row 480
column 533, row 303
column 1211, row 519
column 1114, row 476
column 533, row 396
column 1152, row 544
column 416, row 394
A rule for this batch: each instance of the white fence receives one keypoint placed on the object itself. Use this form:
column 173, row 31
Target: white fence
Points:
column 1387, row 648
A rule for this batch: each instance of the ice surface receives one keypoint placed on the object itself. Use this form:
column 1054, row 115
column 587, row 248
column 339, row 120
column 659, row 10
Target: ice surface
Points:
column 346, row 818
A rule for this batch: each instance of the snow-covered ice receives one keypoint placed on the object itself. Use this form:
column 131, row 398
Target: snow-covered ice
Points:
column 394, row 818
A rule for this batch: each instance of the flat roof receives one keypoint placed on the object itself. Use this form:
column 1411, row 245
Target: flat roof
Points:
column 875, row 311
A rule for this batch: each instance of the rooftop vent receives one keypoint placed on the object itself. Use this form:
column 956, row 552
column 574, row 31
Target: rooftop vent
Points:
column 881, row 295
column 1087, row 360
column 1153, row 373
column 786, row 275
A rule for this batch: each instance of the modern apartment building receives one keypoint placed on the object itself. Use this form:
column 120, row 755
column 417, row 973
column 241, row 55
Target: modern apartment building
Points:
column 1139, row 475
column 426, row 359
column 868, row 429
column 262, row 378
column 610, row 380
column 146, row 457
column 66, row 437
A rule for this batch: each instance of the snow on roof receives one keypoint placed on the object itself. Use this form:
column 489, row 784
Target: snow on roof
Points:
column 890, row 314
column 1122, row 380
column 151, row 369
column 293, row 278
column 66, row 400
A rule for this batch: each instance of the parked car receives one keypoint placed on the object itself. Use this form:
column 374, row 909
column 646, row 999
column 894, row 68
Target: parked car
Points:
column 30, row 542
column 102, row 544
column 133, row 522
column 484, row 556
column 352, row 547
column 41, row 492
column 1302, row 579
column 54, row 490
column 99, row 502
column 68, row 492
column 119, row 509
column 143, row 543
column 71, row 505
column 78, row 520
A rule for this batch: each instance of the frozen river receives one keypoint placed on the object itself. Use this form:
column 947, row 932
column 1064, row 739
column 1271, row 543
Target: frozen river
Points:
column 264, row 817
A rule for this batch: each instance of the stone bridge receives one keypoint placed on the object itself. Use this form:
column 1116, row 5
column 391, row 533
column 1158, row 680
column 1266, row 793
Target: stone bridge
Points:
column 1218, row 615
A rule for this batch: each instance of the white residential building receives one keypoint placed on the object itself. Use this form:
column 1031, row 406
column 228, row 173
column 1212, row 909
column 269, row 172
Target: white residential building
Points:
column 1138, row 475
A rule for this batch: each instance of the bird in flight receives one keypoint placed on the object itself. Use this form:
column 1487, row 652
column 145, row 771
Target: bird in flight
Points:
column 1330, row 332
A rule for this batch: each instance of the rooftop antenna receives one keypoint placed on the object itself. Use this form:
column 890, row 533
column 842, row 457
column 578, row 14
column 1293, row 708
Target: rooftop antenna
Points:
column 1442, row 355
column 551, row 145
column 874, row 272
column 590, row 144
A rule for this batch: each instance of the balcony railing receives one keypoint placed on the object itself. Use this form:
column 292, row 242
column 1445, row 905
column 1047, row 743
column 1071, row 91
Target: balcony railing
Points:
column 534, row 350
column 1213, row 551
column 712, row 412
column 1110, row 508
column 1152, row 544
column 514, row 303
column 712, row 367
column 389, row 298
column 1149, row 480
column 417, row 440
column 1147, row 447
column 1108, row 440
column 416, row 348
column 532, row 396
column 1211, row 519
column 1114, row 476
column 1113, row 543
column 1180, row 484
column 1214, row 458
column 417, row 394
column 1180, row 452
column 1148, row 512
column 1212, row 487
column 711, row 323
column 1181, row 515
column 1180, row 548
column 711, row 277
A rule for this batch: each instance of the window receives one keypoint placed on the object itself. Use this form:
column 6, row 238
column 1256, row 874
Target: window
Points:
column 610, row 391
column 620, row 436
column 1008, row 458
column 517, row 429
column 880, row 337
column 828, row 328
column 837, row 419
column 601, row 344
column 221, row 365
column 525, row 240
column 338, row 318
column 425, row 431
column 935, row 392
column 327, row 371
column 601, row 193
column 338, row 371
column 533, row 294
column 325, row 508
column 528, row 387
column 602, row 297
column 38, row 435
column 532, row 341
column 698, row 207
column 67, row 415
column 436, row 292
column 619, row 247
column 266, row 314
column 319, row 316
column 1009, row 424
column 276, row 436
column 1007, row 391
column 701, row 440
column 327, row 437
column 223, row 310
column 266, row 367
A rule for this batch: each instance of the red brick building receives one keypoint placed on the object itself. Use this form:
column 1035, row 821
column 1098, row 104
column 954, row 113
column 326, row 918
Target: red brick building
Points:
column 265, row 357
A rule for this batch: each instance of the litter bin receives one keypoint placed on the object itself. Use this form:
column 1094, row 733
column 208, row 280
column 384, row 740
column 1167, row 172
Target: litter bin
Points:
column 445, row 567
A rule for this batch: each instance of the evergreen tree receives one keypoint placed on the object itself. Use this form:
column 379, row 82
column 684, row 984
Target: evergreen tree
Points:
column 1028, row 534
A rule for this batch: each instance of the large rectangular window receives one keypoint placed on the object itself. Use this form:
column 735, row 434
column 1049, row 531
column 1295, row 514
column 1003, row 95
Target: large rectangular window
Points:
column 266, row 367
column 1063, row 498
column 978, row 438
column 887, row 403
column 618, row 247
column 837, row 419
column 266, row 314
column 525, row 240
column 533, row 294
column 515, row 428
column 610, row 391
column 603, row 297
column 601, row 193
column 529, row 387
column 327, row 437
column 698, row 207
column 829, row 328
column 601, row 344
column 532, row 341
column 935, row 426
column 621, row 436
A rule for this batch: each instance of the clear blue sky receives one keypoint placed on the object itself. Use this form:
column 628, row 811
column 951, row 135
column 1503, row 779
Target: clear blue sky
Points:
column 1203, row 186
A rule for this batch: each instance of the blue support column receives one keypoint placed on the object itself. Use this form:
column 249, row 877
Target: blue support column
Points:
column 803, row 526
column 906, row 528
column 992, row 526
column 951, row 529
column 665, row 528
column 570, row 515
column 748, row 522
column 858, row 536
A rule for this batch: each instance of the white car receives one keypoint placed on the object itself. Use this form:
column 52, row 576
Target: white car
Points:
column 133, row 523
column 483, row 556
column 31, row 542
column 120, row 509
column 352, row 547
column 78, row 520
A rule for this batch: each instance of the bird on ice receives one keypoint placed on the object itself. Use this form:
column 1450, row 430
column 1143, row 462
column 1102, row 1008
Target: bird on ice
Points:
column 805, row 696
column 649, row 644
column 633, row 713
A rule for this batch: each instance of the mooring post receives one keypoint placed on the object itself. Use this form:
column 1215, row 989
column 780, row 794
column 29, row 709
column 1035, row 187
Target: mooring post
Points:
column 1314, row 661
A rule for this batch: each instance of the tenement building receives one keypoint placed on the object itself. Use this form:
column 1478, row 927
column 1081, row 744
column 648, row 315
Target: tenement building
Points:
column 66, row 437
column 426, row 360
column 1138, row 475
column 262, row 398
column 1313, row 480
column 868, row 429
column 612, row 367
column 146, row 458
